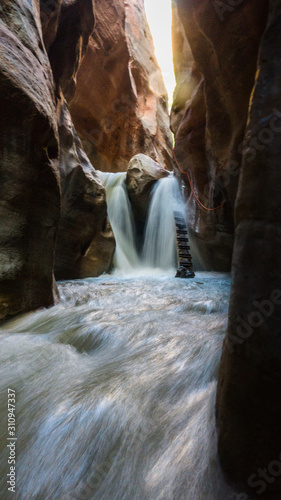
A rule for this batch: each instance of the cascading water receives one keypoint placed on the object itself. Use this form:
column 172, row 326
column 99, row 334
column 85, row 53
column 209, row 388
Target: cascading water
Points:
column 159, row 250
column 159, row 247
column 121, row 219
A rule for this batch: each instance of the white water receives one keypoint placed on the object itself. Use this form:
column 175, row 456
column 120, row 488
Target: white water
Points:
column 121, row 219
column 115, row 391
column 159, row 249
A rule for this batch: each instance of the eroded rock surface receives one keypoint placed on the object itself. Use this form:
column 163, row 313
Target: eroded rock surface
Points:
column 74, row 27
column 248, row 406
column 216, row 87
column 46, row 179
column 29, row 175
column 120, row 105
column 85, row 242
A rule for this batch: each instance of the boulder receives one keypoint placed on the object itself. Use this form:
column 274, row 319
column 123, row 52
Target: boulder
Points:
column 121, row 106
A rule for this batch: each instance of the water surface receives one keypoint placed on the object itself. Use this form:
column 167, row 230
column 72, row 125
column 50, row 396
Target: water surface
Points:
column 116, row 389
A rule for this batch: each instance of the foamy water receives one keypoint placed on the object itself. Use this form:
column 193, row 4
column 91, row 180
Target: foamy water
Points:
column 115, row 390
column 159, row 245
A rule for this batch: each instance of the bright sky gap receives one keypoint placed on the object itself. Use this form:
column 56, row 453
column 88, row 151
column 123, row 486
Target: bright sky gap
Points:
column 159, row 16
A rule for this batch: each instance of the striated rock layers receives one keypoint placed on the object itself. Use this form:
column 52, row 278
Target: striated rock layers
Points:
column 248, row 404
column 38, row 64
column 120, row 105
column 216, row 49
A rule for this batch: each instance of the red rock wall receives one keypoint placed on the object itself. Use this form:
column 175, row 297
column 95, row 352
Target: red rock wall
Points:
column 120, row 105
column 248, row 404
column 210, row 112
column 45, row 218
column 85, row 242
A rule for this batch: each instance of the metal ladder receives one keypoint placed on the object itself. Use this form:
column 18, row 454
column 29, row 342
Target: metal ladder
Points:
column 185, row 269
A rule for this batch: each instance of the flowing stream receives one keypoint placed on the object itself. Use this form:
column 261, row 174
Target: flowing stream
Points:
column 115, row 386
column 115, row 391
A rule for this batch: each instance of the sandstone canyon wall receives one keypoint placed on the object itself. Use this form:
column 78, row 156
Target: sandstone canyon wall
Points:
column 248, row 406
column 29, row 170
column 215, row 60
column 120, row 108
column 49, row 190
column 227, row 120
column 53, row 213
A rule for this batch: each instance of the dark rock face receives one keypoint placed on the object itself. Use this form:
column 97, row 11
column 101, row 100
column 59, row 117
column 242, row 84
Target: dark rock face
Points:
column 248, row 404
column 85, row 242
column 30, row 192
column 38, row 165
column 74, row 26
column 120, row 105
column 214, row 90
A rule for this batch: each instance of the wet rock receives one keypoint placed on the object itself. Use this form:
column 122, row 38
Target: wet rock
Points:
column 142, row 174
column 216, row 87
column 248, row 405
column 29, row 185
column 120, row 107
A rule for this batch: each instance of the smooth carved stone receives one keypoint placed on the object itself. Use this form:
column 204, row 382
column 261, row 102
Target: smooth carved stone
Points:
column 142, row 174
column 121, row 107
column 47, row 180
column 85, row 242
column 214, row 87
column 186, row 80
column 49, row 15
column 248, row 406
column 74, row 26
column 29, row 176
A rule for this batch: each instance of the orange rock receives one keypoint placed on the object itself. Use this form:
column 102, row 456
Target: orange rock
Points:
column 120, row 107
column 210, row 112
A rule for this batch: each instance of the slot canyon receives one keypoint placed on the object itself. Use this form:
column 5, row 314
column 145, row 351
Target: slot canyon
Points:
column 140, row 288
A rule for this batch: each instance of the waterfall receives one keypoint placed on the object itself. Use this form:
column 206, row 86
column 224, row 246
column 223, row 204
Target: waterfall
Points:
column 159, row 246
column 121, row 220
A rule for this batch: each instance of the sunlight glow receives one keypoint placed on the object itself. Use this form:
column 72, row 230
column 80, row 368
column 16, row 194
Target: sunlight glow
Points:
column 159, row 16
